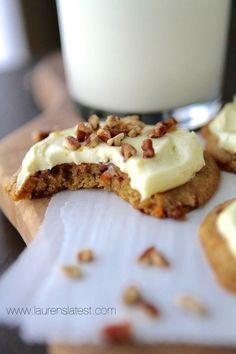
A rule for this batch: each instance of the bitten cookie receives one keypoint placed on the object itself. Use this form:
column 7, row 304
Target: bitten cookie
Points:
column 161, row 170
column 218, row 237
column 220, row 135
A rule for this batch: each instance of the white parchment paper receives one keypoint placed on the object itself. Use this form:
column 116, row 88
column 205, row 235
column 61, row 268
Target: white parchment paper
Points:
column 117, row 234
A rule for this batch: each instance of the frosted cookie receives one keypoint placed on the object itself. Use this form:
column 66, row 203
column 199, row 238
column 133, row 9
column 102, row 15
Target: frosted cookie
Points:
column 218, row 236
column 161, row 170
column 220, row 135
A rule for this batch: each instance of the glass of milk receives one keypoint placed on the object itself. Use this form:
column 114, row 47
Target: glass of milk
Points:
column 145, row 56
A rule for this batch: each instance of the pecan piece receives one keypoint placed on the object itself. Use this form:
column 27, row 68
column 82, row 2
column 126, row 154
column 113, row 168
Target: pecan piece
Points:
column 189, row 303
column 116, row 140
column 112, row 121
column 150, row 309
column 94, row 121
column 159, row 130
column 170, row 123
column 71, row 271
column 118, row 333
column 152, row 256
column 133, row 120
column 127, row 151
column 85, row 255
column 104, row 134
column 147, row 148
column 131, row 296
column 92, row 140
column 108, row 174
column 83, row 130
column 134, row 131
column 71, row 143
column 38, row 135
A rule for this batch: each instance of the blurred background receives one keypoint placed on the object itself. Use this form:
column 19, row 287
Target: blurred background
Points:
column 29, row 30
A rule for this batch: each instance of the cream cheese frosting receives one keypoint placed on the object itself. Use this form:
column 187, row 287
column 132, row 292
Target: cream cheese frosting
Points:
column 178, row 157
column 226, row 225
column 224, row 127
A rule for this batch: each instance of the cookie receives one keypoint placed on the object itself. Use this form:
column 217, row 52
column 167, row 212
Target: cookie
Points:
column 160, row 170
column 173, row 203
column 226, row 160
column 217, row 250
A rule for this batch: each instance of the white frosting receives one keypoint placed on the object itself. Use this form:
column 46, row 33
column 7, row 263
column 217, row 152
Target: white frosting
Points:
column 226, row 225
column 178, row 156
column 224, row 127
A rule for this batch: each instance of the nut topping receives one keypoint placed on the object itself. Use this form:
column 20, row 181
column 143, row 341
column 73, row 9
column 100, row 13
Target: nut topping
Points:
column 135, row 131
column 71, row 271
column 104, row 134
column 147, row 148
column 112, row 121
column 127, row 151
column 71, row 143
column 85, row 255
column 161, row 128
column 116, row 140
column 118, row 333
column 83, row 130
column 171, row 123
column 131, row 296
column 189, row 303
column 94, row 121
column 151, row 256
column 92, row 140
column 150, row 309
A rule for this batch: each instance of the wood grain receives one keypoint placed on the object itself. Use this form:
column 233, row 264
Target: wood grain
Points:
column 50, row 93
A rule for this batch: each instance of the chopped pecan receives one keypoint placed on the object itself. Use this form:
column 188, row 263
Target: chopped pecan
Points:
column 85, row 127
column 112, row 121
column 133, row 120
column 71, row 143
column 158, row 130
column 151, row 256
column 85, row 255
column 38, row 135
column 71, row 271
column 116, row 140
column 94, row 121
column 131, row 296
column 103, row 167
column 118, row 333
column 171, row 123
column 109, row 173
column 147, row 148
column 92, row 140
column 127, row 151
column 161, row 128
column 134, row 131
column 104, row 134
column 83, row 130
column 150, row 309
column 189, row 303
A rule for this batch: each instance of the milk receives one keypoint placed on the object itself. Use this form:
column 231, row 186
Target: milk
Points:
column 143, row 55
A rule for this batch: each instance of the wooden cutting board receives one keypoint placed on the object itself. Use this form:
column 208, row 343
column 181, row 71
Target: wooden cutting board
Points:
column 50, row 93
